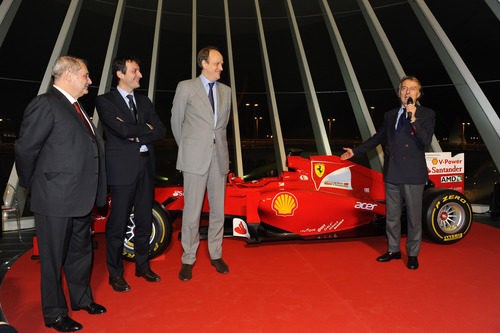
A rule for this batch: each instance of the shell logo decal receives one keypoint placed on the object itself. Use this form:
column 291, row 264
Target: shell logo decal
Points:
column 284, row 204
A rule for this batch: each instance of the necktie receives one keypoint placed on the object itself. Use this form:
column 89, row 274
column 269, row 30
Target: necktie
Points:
column 399, row 125
column 77, row 107
column 132, row 107
column 211, row 95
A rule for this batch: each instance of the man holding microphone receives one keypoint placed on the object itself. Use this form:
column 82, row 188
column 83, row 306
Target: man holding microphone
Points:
column 405, row 133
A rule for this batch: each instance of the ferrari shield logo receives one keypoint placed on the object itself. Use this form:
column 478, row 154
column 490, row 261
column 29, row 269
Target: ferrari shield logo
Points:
column 333, row 177
column 319, row 169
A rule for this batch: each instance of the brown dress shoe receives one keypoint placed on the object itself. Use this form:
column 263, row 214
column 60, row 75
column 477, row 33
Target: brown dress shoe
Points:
column 148, row 274
column 119, row 284
column 186, row 272
column 220, row 266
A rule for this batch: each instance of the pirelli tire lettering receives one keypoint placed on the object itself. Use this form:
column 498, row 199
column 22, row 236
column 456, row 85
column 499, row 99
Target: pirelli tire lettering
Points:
column 161, row 234
column 447, row 215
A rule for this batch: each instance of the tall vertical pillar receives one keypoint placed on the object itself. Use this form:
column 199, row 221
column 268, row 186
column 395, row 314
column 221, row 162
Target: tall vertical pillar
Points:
column 482, row 113
column 106, row 75
column 155, row 52
column 494, row 6
column 363, row 119
column 389, row 58
column 193, row 42
column 60, row 48
column 279, row 145
column 8, row 10
column 320, row 136
column 234, row 102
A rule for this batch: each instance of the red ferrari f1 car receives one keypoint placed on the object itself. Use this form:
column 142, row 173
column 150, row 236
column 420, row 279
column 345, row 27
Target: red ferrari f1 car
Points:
column 320, row 197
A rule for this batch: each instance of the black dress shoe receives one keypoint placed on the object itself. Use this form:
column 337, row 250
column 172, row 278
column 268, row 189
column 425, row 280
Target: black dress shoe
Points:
column 412, row 262
column 65, row 324
column 148, row 274
column 388, row 256
column 186, row 272
column 220, row 266
column 119, row 284
column 92, row 308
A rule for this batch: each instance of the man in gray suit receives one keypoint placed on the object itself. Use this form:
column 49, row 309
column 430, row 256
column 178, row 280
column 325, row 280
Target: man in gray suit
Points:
column 405, row 133
column 200, row 114
column 60, row 158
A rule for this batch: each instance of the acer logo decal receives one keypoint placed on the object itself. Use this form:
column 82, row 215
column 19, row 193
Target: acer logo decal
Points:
column 365, row 205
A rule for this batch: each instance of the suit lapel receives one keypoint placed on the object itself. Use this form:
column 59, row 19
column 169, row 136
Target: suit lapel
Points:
column 220, row 98
column 72, row 111
column 140, row 109
column 221, row 105
column 393, row 120
column 202, row 94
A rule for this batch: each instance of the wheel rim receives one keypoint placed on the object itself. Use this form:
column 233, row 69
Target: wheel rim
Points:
column 128, row 241
column 451, row 217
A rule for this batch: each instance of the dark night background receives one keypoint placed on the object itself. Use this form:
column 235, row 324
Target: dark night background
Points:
column 470, row 25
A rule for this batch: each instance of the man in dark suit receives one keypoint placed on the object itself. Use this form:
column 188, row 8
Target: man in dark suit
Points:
column 60, row 159
column 200, row 113
column 405, row 133
column 130, row 127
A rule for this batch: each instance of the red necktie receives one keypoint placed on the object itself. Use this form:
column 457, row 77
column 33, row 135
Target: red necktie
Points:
column 77, row 107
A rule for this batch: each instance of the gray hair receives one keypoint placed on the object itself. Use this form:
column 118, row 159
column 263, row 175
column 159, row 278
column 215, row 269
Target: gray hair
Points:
column 66, row 63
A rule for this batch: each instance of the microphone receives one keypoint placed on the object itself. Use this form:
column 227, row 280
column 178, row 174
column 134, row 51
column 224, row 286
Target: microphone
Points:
column 409, row 114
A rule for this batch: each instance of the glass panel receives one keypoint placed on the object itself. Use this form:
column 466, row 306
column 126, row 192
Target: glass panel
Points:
column 462, row 25
column 90, row 42
column 335, row 107
column 471, row 26
column 174, row 59
column 292, row 105
column 175, row 47
column 136, row 37
column 253, row 110
column 24, row 56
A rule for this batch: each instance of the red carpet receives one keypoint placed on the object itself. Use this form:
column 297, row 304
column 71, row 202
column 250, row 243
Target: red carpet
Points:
column 289, row 287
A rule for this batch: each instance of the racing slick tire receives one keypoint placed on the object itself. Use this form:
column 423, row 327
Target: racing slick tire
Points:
column 161, row 234
column 447, row 215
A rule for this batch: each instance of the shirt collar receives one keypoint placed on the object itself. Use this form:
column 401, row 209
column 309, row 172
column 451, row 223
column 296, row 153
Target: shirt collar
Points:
column 401, row 109
column 124, row 93
column 206, row 81
column 70, row 98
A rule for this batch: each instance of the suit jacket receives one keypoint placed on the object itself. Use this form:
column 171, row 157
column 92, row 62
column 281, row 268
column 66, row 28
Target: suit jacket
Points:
column 58, row 158
column 404, row 150
column 193, row 126
column 123, row 158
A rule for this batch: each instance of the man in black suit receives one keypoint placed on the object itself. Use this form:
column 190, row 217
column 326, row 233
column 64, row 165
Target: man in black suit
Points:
column 405, row 133
column 60, row 159
column 130, row 126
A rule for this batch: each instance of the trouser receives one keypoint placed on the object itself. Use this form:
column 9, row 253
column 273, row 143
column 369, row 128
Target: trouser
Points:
column 139, row 194
column 64, row 243
column 412, row 196
column 214, row 182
